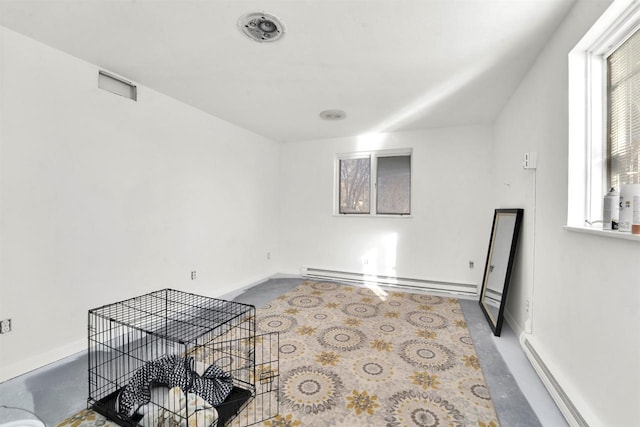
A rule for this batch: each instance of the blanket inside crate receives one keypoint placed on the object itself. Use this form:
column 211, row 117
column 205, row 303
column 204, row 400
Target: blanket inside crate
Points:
column 190, row 392
column 173, row 408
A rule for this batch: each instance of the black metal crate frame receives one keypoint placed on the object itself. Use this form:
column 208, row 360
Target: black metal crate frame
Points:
column 126, row 335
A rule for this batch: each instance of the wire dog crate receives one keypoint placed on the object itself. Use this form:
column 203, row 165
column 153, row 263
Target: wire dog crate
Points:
column 175, row 359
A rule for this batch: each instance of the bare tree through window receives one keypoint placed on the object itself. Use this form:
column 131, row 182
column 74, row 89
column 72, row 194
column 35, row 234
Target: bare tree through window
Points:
column 375, row 183
column 355, row 185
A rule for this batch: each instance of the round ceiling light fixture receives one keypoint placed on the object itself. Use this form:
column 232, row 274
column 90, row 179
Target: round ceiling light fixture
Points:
column 261, row 27
column 333, row 115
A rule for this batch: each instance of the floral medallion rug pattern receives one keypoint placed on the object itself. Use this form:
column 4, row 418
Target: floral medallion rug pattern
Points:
column 354, row 356
column 359, row 356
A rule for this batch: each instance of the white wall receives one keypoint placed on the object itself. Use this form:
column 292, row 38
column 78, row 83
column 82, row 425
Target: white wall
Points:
column 584, row 288
column 103, row 198
column 451, row 214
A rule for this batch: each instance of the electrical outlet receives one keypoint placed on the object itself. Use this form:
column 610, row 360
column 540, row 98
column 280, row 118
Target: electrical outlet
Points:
column 5, row 326
column 471, row 264
column 526, row 306
column 268, row 255
column 193, row 275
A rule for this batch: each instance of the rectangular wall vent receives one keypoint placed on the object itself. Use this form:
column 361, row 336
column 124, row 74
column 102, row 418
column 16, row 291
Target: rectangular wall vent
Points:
column 116, row 85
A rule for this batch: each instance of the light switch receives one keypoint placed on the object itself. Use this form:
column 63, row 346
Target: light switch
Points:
column 530, row 160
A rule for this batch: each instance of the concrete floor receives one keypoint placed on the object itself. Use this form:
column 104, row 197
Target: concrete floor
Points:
column 54, row 392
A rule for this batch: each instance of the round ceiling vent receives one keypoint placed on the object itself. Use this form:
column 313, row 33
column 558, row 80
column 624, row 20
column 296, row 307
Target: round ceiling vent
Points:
column 333, row 115
column 261, row 27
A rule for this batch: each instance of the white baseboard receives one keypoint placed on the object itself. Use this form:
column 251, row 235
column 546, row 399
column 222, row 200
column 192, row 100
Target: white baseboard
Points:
column 567, row 407
column 392, row 281
column 31, row 363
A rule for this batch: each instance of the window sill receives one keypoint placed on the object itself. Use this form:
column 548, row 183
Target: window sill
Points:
column 371, row 216
column 604, row 233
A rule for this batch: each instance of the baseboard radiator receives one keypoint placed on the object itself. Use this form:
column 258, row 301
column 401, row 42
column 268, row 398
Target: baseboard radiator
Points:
column 563, row 401
column 391, row 281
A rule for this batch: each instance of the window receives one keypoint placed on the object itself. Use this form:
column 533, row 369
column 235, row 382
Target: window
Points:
column 604, row 120
column 385, row 191
column 393, row 185
column 623, row 102
column 355, row 185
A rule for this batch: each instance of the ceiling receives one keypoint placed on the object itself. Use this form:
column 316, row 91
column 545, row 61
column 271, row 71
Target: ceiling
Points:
column 390, row 64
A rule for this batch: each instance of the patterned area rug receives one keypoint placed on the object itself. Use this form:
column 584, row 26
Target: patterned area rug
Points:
column 352, row 356
column 357, row 356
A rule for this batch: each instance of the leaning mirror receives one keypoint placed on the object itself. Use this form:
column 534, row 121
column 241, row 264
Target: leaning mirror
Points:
column 497, row 270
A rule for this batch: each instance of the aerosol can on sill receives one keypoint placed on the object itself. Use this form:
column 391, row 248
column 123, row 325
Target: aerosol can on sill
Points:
column 635, row 226
column 627, row 191
column 611, row 210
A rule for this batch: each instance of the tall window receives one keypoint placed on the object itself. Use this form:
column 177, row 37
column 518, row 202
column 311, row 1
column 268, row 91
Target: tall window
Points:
column 623, row 96
column 385, row 191
column 604, row 116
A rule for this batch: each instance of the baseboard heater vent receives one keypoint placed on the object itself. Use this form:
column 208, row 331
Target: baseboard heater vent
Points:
column 392, row 281
column 563, row 401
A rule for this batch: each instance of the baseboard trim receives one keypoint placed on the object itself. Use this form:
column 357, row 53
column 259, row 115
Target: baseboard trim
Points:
column 29, row 364
column 566, row 406
column 391, row 281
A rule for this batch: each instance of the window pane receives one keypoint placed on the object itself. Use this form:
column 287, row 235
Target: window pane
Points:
column 355, row 184
column 624, row 113
column 394, row 185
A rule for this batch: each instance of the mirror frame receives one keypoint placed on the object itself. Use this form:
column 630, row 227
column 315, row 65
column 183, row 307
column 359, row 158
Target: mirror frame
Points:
column 496, row 324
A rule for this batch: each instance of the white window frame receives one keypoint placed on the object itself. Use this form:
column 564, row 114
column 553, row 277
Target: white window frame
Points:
column 588, row 116
column 373, row 193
